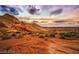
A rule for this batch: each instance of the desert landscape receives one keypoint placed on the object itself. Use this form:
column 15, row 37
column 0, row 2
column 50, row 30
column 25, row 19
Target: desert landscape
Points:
column 39, row 29
column 18, row 37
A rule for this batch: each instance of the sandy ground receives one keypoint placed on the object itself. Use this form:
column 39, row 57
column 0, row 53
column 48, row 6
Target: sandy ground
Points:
column 35, row 45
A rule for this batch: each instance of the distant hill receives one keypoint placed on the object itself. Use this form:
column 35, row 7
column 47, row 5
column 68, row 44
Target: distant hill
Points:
column 10, row 22
column 7, row 20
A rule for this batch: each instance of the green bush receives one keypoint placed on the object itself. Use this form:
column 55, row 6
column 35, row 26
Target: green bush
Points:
column 4, row 37
column 69, row 35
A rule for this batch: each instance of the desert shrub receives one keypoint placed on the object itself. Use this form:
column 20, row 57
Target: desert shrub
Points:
column 16, row 35
column 62, row 35
column 46, row 35
column 52, row 34
column 5, row 36
column 41, row 36
column 69, row 35
column 65, row 34
column 75, row 34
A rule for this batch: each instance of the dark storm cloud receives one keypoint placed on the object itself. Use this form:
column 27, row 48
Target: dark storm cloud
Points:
column 32, row 10
column 56, row 12
column 7, row 9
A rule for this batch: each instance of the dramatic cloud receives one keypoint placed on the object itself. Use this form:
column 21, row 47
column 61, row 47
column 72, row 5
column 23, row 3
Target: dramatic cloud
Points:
column 7, row 9
column 40, row 10
column 56, row 12
column 32, row 10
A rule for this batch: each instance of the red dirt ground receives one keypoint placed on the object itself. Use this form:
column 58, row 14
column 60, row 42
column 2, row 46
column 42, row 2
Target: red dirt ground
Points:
column 35, row 45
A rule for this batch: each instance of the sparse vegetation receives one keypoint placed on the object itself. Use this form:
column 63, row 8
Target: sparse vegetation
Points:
column 41, row 36
column 16, row 35
column 4, row 36
column 46, row 35
column 52, row 34
column 69, row 35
